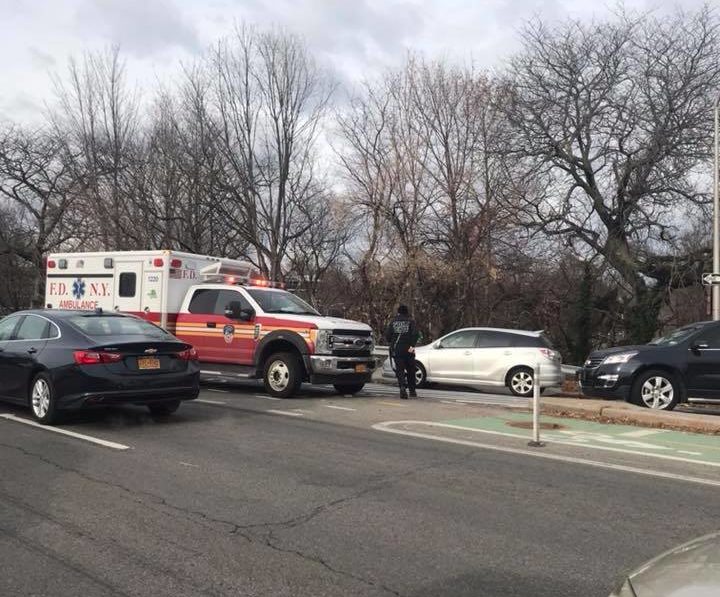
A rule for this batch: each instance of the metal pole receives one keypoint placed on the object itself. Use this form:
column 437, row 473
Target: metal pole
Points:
column 536, row 443
column 716, row 217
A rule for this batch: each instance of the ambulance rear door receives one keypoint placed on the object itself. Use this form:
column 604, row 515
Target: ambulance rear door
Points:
column 128, row 286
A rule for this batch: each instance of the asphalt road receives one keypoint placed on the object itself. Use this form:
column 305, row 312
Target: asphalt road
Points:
column 243, row 495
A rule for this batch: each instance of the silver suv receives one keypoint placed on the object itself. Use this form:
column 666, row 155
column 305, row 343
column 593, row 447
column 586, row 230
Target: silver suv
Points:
column 487, row 357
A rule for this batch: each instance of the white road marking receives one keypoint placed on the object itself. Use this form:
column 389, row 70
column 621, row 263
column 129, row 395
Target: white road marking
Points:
column 549, row 440
column 266, row 397
column 339, row 407
column 391, row 404
column 218, row 391
column 691, row 453
column 287, row 413
column 87, row 438
column 642, row 432
column 534, row 453
column 486, row 403
column 208, row 401
column 190, row 465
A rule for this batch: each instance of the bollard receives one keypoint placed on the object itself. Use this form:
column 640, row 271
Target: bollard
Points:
column 535, row 442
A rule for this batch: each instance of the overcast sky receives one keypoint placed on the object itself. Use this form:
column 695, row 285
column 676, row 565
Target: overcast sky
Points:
column 356, row 38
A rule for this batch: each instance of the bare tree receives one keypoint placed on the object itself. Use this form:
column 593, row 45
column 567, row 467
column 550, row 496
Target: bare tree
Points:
column 269, row 100
column 97, row 117
column 612, row 124
column 37, row 192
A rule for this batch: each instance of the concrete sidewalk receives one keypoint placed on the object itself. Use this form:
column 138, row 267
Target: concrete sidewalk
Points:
column 610, row 411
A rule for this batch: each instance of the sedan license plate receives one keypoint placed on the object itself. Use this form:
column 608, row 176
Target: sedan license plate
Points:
column 360, row 368
column 148, row 363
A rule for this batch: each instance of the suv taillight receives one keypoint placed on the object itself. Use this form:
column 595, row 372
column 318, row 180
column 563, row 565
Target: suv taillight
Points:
column 189, row 354
column 95, row 357
column 546, row 352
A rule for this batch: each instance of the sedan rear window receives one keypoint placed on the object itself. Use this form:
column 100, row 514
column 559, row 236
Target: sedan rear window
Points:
column 116, row 325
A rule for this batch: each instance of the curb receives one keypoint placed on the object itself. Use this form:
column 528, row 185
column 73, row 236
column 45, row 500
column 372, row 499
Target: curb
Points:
column 607, row 411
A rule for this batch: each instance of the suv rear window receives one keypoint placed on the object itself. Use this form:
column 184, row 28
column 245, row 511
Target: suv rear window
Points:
column 525, row 341
column 117, row 325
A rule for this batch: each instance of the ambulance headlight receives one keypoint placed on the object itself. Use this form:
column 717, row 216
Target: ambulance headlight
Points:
column 323, row 344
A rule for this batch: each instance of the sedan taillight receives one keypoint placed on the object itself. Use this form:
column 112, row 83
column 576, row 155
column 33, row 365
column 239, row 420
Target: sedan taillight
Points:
column 189, row 354
column 94, row 357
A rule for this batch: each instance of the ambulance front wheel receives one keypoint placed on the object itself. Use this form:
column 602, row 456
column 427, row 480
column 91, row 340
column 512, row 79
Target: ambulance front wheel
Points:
column 283, row 375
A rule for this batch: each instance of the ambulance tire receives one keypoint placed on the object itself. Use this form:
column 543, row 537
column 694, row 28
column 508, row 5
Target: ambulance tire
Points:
column 283, row 374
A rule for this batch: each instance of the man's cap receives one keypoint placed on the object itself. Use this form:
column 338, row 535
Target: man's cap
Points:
column 403, row 310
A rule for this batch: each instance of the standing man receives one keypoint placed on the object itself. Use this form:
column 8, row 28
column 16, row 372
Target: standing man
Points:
column 402, row 335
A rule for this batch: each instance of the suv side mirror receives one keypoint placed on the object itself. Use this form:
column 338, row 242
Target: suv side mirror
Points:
column 438, row 344
column 235, row 311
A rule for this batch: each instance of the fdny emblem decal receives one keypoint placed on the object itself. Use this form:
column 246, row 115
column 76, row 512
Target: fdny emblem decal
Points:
column 229, row 333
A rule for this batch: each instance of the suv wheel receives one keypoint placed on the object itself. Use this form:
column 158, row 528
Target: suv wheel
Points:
column 520, row 382
column 283, row 375
column 420, row 376
column 658, row 390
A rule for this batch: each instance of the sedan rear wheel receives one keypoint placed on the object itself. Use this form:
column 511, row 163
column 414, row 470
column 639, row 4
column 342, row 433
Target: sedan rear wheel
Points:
column 42, row 400
column 657, row 390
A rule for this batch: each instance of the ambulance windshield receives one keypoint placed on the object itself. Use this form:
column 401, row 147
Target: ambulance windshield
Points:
column 278, row 301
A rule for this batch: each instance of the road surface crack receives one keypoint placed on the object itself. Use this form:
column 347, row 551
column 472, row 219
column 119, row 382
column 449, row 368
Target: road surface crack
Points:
column 248, row 531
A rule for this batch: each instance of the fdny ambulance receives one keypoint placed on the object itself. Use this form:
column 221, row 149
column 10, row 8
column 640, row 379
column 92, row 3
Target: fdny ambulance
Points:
column 241, row 325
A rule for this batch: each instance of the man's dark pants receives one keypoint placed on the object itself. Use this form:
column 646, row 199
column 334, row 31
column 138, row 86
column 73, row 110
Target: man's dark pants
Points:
column 405, row 371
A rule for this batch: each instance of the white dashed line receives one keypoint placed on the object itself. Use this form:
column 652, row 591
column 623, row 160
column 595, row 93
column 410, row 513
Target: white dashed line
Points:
column 642, row 432
column 339, row 407
column 190, row 465
column 287, row 413
column 266, row 397
column 208, row 401
column 218, row 391
column 87, row 438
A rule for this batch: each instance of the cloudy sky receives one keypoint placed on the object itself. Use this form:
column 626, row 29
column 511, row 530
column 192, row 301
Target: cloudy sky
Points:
column 356, row 38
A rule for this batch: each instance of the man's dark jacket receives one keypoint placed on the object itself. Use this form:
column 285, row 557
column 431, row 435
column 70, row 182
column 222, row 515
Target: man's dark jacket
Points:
column 401, row 334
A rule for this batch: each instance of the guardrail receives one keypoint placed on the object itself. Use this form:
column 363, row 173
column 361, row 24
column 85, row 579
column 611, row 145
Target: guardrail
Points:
column 384, row 351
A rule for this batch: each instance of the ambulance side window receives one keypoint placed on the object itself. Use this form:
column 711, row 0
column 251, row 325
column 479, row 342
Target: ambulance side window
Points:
column 128, row 283
column 229, row 296
column 204, row 301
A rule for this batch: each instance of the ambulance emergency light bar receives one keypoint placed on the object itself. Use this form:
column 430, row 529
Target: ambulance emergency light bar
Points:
column 243, row 274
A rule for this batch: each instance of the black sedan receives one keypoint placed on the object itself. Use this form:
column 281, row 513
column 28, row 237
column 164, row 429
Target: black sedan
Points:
column 61, row 360
column 683, row 366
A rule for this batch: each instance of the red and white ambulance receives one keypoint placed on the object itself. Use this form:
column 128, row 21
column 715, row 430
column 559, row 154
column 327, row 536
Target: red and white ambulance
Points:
column 241, row 325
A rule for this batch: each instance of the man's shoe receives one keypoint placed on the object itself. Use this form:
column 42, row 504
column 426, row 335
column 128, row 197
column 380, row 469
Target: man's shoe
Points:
column 403, row 396
column 413, row 394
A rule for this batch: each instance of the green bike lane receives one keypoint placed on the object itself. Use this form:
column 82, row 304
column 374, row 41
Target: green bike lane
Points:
column 676, row 445
column 672, row 454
